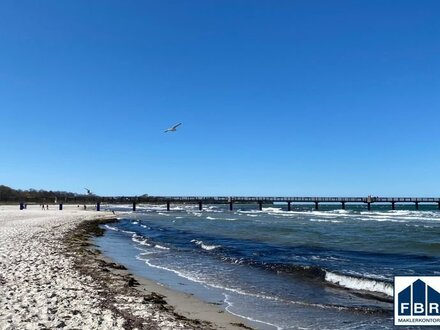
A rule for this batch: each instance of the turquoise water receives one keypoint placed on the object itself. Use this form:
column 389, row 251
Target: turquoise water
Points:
column 304, row 269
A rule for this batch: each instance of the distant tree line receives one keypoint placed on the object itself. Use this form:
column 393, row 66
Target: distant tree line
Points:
column 8, row 194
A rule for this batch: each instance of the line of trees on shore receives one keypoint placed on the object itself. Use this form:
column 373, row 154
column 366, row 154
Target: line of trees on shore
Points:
column 8, row 194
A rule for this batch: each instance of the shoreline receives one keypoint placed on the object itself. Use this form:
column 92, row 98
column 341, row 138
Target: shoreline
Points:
column 52, row 276
column 196, row 314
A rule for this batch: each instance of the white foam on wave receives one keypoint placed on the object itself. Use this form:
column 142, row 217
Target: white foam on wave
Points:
column 357, row 283
column 143, row 254
column 111, row 228
column 381, row 219
column 231, row 305
column 403, row 215
column 127, row 231
column 212, row 218
column 204, row 246
column 157, row 246
column 178, row 273
column 325, row 220
column 140, row 240
column 330, row 258
column 341, row 211
column 273, row 209
column 157, row 208
column 248, row 211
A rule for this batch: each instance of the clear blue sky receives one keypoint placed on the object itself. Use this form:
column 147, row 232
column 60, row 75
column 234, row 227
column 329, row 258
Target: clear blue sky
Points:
column 276, row 97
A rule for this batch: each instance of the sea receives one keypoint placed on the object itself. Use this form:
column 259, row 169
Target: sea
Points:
column 277, row 269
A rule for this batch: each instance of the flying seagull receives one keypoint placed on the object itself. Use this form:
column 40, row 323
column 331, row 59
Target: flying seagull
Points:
column 89, row 192
column 173, row 129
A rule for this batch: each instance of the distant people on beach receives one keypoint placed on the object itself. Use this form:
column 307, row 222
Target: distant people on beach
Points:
column 47, row 206
column 85, row 207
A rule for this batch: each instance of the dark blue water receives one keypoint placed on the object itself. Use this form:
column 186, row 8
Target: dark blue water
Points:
column 300, row 269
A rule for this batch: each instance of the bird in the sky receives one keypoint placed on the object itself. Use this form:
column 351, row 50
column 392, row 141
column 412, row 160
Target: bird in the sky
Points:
column 89, row 192
column 173, row 129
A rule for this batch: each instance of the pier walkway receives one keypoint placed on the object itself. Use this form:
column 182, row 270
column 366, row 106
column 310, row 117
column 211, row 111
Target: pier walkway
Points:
column 231, row 200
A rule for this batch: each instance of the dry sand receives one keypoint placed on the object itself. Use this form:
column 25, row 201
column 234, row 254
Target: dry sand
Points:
column 50, row 277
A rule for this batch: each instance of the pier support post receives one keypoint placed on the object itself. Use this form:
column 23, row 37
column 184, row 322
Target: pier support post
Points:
column 231, row 205
column 134, row 206
column 343, row 205
column 98, row 206
column 417, row 205
column 168, row 205
column 61, row 207
column 316, row 206
column 260, row 206
column 393, row 205
column 200, row 206
column 369, row 206
column 289, row 207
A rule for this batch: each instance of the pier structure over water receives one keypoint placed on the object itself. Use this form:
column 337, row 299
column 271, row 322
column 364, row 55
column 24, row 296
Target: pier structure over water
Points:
column 231, row 200
column 260, row 201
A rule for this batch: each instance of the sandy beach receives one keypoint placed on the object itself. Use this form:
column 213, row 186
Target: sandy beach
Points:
column 51, row 277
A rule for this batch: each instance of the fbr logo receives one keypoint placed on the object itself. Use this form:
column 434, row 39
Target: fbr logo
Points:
column 417, row 300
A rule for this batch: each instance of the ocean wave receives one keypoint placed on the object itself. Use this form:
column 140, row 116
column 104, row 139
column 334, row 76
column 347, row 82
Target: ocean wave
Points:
column 360, row 283
column 273, row 209
column 204, row 246
column 248, row 211
column 324, row 220
column 141, row 256
column 227, row 219
column 111, row 228
column 330, row 258
column 404, row 215
column 127, row 231
column 140, row 240
column 230, row 305
column 190, row 277
column 381, row 219
column 357, row 283
column 157, row 246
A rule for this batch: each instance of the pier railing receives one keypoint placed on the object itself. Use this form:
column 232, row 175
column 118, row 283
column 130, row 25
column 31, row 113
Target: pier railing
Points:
column 260, row 200
column 231, row 200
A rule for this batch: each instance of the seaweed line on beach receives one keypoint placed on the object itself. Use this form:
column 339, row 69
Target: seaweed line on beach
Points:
column 117, row 287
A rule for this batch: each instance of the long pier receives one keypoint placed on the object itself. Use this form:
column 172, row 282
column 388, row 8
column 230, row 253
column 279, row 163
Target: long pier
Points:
column 231, row 200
